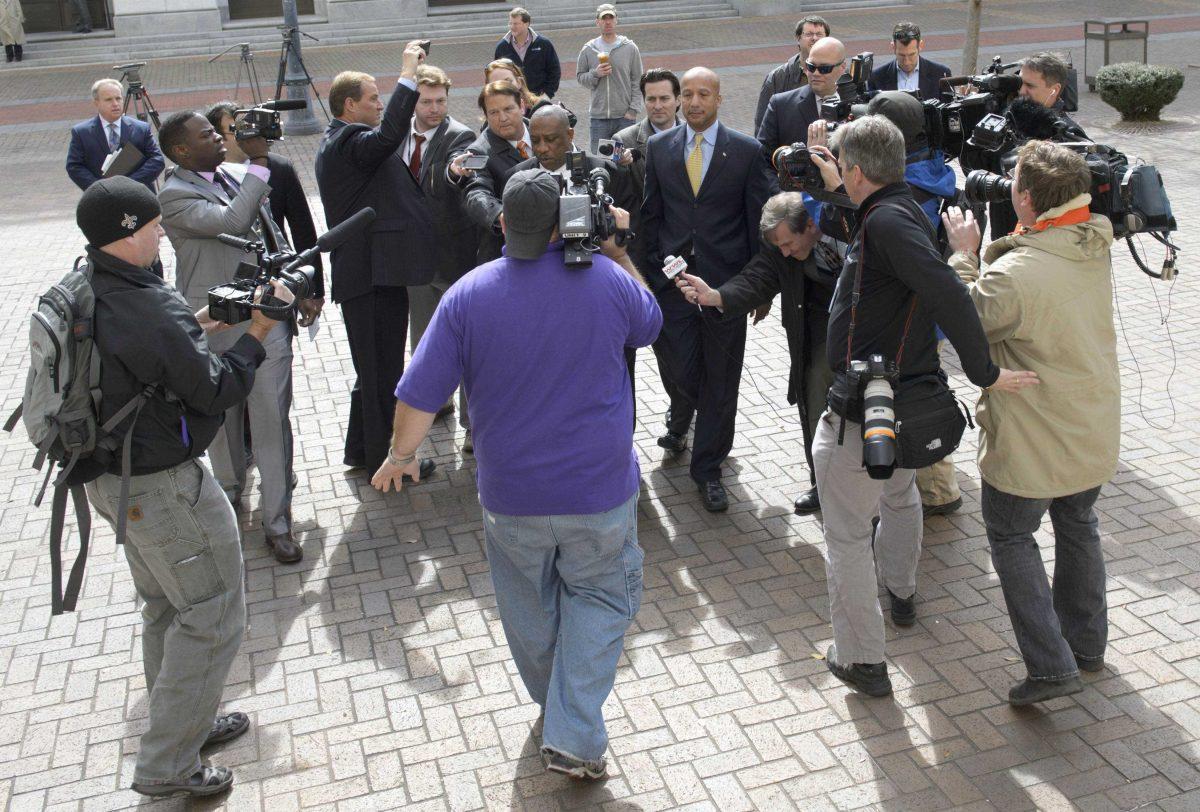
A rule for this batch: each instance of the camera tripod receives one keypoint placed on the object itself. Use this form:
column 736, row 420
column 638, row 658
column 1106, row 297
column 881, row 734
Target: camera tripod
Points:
column 291, row 48
column 137, row 94
column 245, row 68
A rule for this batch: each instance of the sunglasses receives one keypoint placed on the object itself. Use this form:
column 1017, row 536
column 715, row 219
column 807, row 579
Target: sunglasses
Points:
column 822, row 69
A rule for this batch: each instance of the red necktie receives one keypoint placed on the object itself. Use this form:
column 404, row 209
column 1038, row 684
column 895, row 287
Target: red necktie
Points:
column 523, row 150
column 414, row 163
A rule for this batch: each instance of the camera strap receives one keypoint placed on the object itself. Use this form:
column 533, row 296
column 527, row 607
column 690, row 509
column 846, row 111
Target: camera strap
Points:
column 855, row 296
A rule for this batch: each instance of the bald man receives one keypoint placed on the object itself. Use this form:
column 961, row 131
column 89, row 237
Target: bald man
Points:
column 705, row 189
column 789, row 114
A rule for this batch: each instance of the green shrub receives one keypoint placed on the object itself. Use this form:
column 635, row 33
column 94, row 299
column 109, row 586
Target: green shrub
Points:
column 1138, row 92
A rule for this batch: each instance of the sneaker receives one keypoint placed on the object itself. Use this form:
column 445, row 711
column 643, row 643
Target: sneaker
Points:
column 557, row 762
column 904, row 613
column 942, row 510
column 868, row 678
column 1030, row 691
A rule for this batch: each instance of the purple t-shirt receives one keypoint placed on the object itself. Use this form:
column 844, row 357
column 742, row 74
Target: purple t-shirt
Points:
column 540, row 349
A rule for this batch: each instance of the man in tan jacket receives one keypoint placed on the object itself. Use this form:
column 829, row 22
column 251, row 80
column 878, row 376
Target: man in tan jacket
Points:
column 1045, row 301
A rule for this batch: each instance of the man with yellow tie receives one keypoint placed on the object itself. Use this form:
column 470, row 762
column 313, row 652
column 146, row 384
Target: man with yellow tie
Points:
column 705, row 189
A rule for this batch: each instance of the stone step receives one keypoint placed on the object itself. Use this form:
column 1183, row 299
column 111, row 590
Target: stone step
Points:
column 442, row 24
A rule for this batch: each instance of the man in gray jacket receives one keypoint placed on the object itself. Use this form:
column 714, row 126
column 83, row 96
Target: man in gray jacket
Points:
column 611, row 67
column 200, row 201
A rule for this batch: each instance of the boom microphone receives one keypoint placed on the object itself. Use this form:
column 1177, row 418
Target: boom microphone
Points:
column 334, row 237
column 1034, row 121
column 284, row 104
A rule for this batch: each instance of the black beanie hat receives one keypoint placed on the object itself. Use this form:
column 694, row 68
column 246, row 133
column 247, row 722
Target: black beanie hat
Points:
column 113, row 208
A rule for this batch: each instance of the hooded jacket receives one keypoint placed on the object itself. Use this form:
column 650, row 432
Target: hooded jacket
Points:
column 1045, row 300
column 617, row 94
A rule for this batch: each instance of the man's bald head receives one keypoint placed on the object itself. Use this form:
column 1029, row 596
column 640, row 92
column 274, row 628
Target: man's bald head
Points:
column 551, row 115
column 826, row 62
column 700, row 98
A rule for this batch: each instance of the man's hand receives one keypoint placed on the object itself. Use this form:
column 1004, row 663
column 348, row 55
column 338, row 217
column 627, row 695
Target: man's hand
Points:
column 609, row 247
column 391, row 476
column 414, row 55
column 208, row 324
column 309, row 310
column 261, row 323
column 696, row 290
column 818, row 134
column 962, row 231
column 256, row 148
column 604, row 68
column 626, row 157
column 456, row 166
column 761, row 312
column 632, row 116
column 1013, row 381
column 823, row 158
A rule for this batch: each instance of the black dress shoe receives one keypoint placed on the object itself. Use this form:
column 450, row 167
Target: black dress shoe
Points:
column 205, row 781
column 285, row 550
column 867, row 678
column 673, row 442
column 227, row 728
column 809, row 502
column 447, row 409
column 1091, row 666
column 714, row 496
column 426, row 470
column 1042, row 690
column 904, row 613
column 354, row 462
column 941, row 510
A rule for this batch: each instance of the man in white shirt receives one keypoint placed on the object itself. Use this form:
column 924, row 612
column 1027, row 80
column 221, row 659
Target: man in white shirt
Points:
column 95, row 139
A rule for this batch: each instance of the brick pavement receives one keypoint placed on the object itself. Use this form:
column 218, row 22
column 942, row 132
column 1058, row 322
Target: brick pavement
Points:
column 376, row 672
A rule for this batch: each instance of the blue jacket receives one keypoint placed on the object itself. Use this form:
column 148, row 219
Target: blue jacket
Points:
column 89, row 148
column 542, row 69
column 932, row 175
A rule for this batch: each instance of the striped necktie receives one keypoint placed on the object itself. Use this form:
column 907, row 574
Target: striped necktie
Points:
column 695, row 165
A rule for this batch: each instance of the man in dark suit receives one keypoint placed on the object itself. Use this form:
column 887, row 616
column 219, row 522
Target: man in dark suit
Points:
column 789, row 114
column 288, row 202
column 436, row 136
column 359, row 164
column 909, row 70
column 506, row 142
column 92, row 141
column 791, row 74
column 705, row 189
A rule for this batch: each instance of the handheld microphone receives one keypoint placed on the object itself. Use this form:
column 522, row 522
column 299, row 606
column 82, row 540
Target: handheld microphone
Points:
column 673, row 266
column 284, row 104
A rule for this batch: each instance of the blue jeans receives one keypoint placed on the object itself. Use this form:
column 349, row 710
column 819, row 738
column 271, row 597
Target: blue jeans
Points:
column 567, row 588
column 1054, row 625
column 606, row 128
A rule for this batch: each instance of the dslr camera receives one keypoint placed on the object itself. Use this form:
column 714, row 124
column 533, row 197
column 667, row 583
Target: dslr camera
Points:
column 264, row 121
column 851, row 90
column 585, row 216
column 876, row 379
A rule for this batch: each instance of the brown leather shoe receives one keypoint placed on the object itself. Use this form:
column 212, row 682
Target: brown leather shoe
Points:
column 285, row 550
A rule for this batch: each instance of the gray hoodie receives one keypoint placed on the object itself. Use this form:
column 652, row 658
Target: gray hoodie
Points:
column 617, row 94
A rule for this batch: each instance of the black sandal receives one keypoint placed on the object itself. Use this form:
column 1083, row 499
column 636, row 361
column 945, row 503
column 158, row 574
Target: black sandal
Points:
column 226, row 728
column 205, row 781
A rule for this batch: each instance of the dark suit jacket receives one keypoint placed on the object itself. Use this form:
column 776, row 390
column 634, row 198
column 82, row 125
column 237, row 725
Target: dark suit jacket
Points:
column 289, row 205
column 788, row 76
column 456, row 238
column 359, row 167
column 787, row 118
column 89, row 148
column 721, row 223
column 929, row 74
column 485, row 190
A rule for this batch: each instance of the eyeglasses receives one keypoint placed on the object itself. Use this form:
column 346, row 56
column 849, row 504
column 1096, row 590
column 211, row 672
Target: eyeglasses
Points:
column 822, row 69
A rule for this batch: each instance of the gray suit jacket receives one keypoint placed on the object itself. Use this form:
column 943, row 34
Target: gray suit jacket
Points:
column 455, row 235
column 194, row 213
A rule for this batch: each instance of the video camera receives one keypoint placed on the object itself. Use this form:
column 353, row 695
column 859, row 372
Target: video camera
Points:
column 263, row 121
column 949, row 126
column 585, row 216
column 1133, row 198
column 233, row 302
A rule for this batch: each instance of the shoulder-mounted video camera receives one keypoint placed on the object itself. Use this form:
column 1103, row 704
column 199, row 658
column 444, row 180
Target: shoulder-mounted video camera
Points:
column 585, row 216
column 264, row 121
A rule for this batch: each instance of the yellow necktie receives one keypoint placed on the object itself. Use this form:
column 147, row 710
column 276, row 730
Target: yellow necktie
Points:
column 695, row 165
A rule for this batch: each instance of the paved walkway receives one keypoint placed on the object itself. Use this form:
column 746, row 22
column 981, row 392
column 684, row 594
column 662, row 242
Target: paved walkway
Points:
column 376, row 672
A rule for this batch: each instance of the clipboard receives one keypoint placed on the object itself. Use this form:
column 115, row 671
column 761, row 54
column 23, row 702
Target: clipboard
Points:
column 123, row 161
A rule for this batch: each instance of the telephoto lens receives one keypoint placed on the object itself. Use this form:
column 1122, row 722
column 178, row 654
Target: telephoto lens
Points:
column 987, row 187
column 879, row 426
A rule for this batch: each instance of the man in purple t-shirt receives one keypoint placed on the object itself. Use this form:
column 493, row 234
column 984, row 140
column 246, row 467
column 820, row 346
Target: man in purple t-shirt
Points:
column 540, row 349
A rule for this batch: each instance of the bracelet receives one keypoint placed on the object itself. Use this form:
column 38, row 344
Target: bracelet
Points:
column 402, row 461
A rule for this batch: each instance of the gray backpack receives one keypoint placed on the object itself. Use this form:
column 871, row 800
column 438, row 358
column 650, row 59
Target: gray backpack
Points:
column 61, row 411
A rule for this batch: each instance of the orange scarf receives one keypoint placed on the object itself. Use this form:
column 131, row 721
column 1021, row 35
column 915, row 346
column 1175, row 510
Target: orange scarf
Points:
column 1072, row 218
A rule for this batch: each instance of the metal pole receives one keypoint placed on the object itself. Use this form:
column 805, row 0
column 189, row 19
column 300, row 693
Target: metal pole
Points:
column 297, row 122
